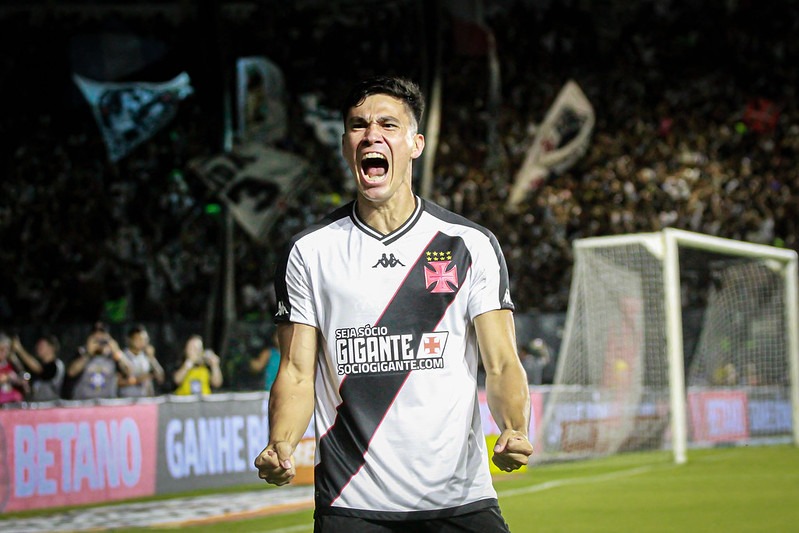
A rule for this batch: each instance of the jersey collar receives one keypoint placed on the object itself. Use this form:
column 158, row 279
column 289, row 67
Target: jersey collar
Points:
column 397, row 233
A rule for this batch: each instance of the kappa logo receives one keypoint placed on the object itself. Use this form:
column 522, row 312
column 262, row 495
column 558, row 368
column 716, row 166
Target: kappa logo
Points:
column 281, row 309
column 506, row 299
column 442, row 278
column 388, row 262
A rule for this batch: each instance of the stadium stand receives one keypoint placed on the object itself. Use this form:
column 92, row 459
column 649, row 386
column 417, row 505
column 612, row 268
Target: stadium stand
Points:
column 696, row 129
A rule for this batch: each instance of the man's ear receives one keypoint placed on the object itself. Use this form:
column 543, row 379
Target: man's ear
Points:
column 418, row 145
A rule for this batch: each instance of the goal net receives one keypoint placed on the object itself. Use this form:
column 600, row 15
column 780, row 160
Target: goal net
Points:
column 674, row 339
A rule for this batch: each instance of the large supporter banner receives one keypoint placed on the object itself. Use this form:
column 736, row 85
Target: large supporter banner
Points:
column 72, row 456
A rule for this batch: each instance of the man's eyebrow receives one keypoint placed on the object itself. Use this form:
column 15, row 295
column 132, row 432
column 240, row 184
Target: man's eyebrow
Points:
column 387, row 118
column 358, row 119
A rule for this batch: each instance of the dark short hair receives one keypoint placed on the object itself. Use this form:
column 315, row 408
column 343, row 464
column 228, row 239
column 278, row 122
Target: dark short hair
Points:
column 135, row 329
column 52, row 340
column 402, row 89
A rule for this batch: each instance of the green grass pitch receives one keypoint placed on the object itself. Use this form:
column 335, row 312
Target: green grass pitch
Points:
column 719, row 490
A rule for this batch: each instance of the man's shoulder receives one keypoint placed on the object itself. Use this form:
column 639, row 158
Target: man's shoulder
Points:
column 449, row 217
column 342, row 213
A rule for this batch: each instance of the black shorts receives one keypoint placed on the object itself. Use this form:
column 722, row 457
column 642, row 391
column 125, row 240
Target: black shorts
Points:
column 487, row 520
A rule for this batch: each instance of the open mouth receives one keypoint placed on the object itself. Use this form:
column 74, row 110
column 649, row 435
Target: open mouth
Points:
column 374, row 165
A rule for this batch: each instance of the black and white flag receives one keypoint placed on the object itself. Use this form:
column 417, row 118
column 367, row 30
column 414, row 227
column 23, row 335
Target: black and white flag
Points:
column 130, row 113
column 559, row 142
column 256, row 182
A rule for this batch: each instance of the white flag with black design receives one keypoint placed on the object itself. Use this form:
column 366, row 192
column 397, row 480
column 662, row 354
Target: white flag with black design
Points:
column 560, row 141
column 256, row 182
column 130, row 113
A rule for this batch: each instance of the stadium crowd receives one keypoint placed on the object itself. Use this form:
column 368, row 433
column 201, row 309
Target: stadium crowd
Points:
column 697, row 128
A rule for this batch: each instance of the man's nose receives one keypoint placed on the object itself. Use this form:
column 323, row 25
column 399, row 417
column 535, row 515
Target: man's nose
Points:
column 372, row 132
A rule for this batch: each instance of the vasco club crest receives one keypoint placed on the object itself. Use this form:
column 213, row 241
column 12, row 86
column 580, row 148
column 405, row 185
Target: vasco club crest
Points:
column 440, row 276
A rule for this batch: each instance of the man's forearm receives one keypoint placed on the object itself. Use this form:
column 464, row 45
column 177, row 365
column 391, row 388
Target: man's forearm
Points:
column 29, row 362
column 290, row 409
column 509, row 398
column 77, row 365
column 157, row 370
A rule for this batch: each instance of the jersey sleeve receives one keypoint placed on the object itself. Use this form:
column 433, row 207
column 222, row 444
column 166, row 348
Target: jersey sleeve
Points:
column 293, row 291
column 491, row 286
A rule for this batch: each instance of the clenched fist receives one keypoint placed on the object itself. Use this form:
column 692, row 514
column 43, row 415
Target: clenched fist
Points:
column 276, row 463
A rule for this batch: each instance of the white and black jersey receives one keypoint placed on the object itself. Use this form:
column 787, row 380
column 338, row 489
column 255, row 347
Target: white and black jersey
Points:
column 397, row 418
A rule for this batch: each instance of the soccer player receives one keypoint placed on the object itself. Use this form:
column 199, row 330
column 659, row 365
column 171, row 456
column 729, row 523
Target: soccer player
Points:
column 381, row 309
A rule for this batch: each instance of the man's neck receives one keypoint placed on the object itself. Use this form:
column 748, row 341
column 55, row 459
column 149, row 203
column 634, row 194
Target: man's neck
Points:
column 389, row 216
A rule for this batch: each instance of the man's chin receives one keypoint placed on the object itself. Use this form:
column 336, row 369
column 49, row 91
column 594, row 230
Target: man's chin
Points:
column 375, row 192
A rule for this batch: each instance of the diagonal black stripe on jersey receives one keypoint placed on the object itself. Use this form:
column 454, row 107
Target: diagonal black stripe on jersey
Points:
column 367, row 398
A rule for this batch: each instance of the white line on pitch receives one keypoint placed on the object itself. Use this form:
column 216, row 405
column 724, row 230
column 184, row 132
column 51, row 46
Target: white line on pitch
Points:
column 578, row 481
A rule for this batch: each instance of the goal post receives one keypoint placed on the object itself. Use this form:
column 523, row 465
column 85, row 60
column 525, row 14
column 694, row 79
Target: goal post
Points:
column 674, row 339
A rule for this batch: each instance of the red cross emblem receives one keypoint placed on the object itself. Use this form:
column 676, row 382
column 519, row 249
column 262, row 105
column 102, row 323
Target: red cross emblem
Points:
column 432, row 346
column 444, row 280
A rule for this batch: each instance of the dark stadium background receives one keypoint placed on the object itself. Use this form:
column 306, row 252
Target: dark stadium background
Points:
column 696, row 128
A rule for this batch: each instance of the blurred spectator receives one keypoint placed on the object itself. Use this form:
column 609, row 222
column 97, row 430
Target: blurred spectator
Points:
column 535, row 357
column 46, row 369
column 92, row 373
column 199, row 372
column 12, row 385
column 725, row 375
column 751, row 375
column 268, row 361
column 146, row 371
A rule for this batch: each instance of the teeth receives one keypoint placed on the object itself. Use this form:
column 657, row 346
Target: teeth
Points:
column 374, row 155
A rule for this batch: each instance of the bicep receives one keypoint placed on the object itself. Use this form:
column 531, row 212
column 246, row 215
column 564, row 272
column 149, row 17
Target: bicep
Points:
column 298, row 347
column 496, row 336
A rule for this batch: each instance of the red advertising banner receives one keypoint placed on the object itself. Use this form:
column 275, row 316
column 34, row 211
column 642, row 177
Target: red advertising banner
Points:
column 56, row 457
column 719, row 416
